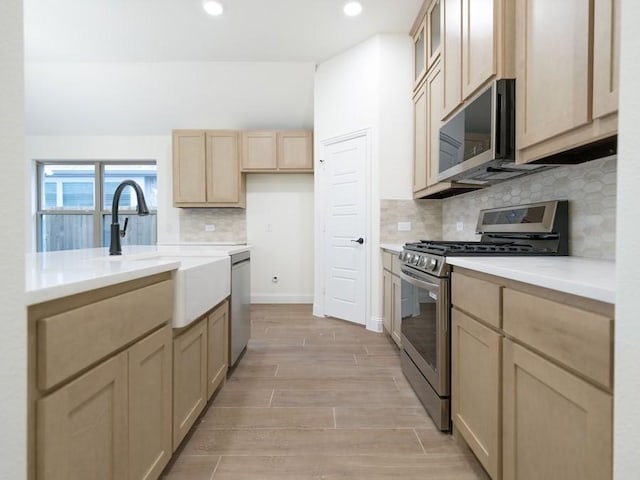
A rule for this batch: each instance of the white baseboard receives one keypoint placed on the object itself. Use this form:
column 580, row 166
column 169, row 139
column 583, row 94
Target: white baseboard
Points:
column 375, row 324
column 276, row 298
column 318, row 311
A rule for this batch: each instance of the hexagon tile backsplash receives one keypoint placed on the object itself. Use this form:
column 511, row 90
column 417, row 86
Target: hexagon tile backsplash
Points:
column 590, row 188
column 230, row 225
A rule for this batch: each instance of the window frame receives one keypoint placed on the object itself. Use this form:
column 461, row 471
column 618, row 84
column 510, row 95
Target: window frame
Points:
column 99, row 210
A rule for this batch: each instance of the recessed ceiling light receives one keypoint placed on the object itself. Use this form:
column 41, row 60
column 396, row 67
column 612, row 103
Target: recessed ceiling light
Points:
column 352, row 9
column 213, row 8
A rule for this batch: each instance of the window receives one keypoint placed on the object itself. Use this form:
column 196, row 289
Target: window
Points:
column 75, row 200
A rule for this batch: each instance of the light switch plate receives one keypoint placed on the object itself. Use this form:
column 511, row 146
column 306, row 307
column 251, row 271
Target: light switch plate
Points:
column 404, row 226
column 210, row 228
column 459, row 226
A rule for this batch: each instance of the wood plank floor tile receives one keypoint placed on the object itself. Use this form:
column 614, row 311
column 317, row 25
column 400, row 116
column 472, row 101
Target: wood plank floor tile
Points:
column 243, row 398
column 256, row 418
column 425, row 467
column 293, row 370
column 191, row 467
column 382, row 417
column 303, row 442
column 345, row 384
column 248, row 370
column 340, row 398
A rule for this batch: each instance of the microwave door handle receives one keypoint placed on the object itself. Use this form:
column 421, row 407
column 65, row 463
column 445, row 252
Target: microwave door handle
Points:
column 500, row 113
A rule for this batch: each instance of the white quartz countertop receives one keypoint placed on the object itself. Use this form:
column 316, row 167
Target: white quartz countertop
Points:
column 585, row 277
column 392, row 247
column 51, row 275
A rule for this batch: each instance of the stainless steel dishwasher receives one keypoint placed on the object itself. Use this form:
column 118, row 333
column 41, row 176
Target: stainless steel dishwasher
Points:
column 240, row 321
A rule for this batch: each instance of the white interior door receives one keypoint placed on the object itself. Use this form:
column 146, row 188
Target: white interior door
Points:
column 345, row 223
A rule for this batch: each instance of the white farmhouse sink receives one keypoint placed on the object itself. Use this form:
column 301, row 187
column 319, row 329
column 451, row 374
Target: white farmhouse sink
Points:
column 200, row 284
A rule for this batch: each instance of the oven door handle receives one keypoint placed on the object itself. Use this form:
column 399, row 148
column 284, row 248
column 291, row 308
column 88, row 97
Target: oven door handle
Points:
column 419, row 282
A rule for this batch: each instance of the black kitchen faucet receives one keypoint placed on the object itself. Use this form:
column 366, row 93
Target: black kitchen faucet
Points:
column 115, row 248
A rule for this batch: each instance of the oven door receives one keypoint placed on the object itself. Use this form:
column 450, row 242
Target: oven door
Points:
column 425, row 326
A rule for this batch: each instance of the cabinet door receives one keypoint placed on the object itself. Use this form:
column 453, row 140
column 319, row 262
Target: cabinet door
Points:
column 189, row 379
column 259, row 150
column 295, row 150
column 189, row 172
column 218, row 344
column 420, row 136
column 150, row 367
column 478, row 50
column 420, row 54
column 433, row 33
column 396, row 309
column 606, row 53
column 223, row 167
column 552, row 68
column 555, row 425
column 434, row 115
column 82, row 428
column 452, row 54
column 475, row 388
column 386, row 301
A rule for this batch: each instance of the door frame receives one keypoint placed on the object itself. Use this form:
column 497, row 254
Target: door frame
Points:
column 321, row 197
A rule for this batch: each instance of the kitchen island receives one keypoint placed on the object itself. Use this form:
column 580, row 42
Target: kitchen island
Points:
column 109, row 371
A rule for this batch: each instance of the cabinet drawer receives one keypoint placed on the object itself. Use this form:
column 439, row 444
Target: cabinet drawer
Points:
column 478, row 297
column 576, row 338
column 73, row 340
column 386, row 260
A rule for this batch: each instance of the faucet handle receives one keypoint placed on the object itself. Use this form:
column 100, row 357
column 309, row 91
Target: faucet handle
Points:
column 123, row 232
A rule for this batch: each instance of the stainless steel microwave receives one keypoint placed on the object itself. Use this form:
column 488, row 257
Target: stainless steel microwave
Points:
column 477, row 145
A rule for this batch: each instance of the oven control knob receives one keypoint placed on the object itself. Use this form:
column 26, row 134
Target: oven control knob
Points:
column 401, row 256
column 416, row 259
column 434, row 264
column 423, row 262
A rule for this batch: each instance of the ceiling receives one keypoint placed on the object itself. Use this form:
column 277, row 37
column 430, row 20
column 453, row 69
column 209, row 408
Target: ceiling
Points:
column 180, row 30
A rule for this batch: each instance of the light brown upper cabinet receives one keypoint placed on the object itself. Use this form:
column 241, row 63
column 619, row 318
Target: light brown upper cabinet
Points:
column 277, row 151
column 477, row 45
column 426, row 40
column 206, row 169
column 420, row 53
column 427, row 113
column 567, row 75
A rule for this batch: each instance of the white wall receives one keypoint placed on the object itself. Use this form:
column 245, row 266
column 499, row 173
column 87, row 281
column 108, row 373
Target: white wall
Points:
column 154, row 98
column 13, row 323
column 627, row 341
column 280, row 229
column 364, row 89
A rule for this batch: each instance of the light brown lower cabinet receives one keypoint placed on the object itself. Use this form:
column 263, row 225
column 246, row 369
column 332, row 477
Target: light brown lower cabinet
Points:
column 396, row 309
column 150, row 402
column 113, row 422
column 556, row 425
column 83, row 428
column 189, row 379
column 533, row 400
column 391, row 296
column 218, row 345
column 386, row 300
column 475, row 389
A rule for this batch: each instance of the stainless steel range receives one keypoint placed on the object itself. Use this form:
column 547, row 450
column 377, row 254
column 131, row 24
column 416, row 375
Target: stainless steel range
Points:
column 532, row 229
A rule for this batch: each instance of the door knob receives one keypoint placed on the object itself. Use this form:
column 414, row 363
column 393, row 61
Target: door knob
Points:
column 360, row 241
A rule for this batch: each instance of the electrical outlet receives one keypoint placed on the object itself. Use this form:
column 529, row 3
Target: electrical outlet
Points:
column 210, row 227
column 459, row 226
column 404, row 226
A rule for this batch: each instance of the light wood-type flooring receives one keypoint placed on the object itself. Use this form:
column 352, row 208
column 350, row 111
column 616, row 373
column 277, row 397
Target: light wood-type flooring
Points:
column 316, row 398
